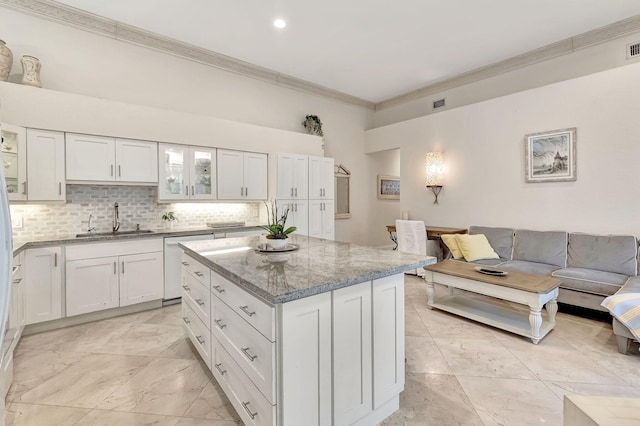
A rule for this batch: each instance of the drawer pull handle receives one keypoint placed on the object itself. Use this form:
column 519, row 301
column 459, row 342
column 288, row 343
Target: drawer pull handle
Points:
column 200, row 339
column 200, row 302
column 220, row 324
column 184, row 263
column 186, row 287
column 17, row 280
column 186, row 320
column 248, row 354
column 245, row 405
column 198, row 273
column 220, row 370
column 218, row 288
column 246, row 310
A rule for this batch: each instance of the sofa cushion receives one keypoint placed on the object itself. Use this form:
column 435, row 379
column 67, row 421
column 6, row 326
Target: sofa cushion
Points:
column 590, row 280
column 489, row 262
column 474, row 247
column 528, row 267
column 501, row 239
column 452, row 244
column 548, row 247
column 611, row 253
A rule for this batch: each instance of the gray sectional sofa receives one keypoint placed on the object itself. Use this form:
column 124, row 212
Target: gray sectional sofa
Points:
column 591, row 267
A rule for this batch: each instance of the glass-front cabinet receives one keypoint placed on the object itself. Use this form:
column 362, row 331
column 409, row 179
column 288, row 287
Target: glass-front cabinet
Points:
column 186, row 173
column 14, row 160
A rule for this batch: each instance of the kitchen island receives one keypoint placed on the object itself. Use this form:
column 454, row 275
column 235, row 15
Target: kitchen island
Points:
column 311, row 336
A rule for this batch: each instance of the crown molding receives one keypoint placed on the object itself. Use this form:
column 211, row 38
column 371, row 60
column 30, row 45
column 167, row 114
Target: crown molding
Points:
column 71, row 16
column 545, row 53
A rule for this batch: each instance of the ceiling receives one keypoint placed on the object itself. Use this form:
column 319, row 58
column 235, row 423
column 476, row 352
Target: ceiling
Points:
column 370, row 49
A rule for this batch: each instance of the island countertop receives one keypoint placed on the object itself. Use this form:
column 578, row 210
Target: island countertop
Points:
column 316, row 267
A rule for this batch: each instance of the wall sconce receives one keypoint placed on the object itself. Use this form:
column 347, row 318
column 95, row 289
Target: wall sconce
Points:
column 435, row 172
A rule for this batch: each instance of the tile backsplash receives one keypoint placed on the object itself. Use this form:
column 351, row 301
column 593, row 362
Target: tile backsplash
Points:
column 137, row 205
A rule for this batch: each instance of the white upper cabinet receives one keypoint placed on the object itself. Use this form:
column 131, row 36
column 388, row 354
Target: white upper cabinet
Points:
column 293, row 176
column 298, row 214
column 322, row 219
column 242, row 175
column 137, row 161
column 321, row 176
column 14, row 161
column 106, row 159
column 186, row 173
column 45, row 166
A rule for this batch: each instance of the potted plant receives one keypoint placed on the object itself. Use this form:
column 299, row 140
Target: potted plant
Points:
column 169, row 218
column 278, row 234
column 313, row 125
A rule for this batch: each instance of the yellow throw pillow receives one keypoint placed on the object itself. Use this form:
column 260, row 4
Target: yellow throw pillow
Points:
column 451, row 242
column 474, row 247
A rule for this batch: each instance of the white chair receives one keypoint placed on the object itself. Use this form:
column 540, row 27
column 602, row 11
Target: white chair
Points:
column 412, row 238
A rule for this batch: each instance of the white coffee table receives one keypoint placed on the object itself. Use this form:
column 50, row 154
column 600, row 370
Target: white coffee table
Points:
column 534, row 291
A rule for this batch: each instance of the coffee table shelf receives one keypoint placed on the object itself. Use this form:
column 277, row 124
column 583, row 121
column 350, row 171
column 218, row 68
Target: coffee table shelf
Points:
column 492, row 314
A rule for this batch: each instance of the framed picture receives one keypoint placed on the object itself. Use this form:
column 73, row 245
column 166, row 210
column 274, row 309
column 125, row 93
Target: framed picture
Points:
column 550, row 156
column 388, row 187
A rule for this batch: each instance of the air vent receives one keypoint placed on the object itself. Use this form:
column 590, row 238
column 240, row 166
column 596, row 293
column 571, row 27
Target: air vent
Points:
column 633, row 50
column 438, row 104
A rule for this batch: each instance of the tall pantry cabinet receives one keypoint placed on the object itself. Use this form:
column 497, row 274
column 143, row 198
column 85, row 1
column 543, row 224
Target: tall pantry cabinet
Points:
column 305, row 185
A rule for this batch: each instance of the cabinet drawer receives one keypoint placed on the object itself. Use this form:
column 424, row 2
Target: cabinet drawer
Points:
column 199, row 335
column 257, row 313
column 198, row 297
column 251, row 350
column 252, row 407
column 196, row 269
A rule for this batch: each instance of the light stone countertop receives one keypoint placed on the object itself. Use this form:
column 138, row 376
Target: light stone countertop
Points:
column 20, row 244
column 316, row 267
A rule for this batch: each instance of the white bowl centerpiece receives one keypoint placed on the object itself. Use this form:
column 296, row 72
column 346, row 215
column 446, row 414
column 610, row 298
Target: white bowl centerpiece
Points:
column 278, row 234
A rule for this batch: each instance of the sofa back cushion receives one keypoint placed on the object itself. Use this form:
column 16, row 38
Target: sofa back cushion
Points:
column 548, row 247
column 501, row 239
column 610, row 253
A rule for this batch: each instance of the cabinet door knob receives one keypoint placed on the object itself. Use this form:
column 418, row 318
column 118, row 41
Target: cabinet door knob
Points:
column 220, row 324
column 246, row 310
column 112, row 170
column 186, row 287
column 24, row 188
column 292, row 192
column 186, row 320
column 198, row 273
column 218, row 288
column 200, row 340
column 184, row 263
column 296, row 192
column 200, row 302
column 119, row 171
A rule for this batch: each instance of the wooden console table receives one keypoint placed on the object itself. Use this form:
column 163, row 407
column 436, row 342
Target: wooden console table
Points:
column 433, row 233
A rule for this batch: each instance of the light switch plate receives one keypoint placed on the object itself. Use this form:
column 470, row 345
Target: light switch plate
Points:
column 16, row 222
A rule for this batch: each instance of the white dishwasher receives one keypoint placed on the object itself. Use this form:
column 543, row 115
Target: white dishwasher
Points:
column 172, row 271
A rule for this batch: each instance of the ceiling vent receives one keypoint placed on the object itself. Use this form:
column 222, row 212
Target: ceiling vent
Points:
column 438, row 104
column 633, row 50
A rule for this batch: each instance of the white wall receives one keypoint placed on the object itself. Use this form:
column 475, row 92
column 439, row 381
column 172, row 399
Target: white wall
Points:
column 484, row 156
column 81, row 62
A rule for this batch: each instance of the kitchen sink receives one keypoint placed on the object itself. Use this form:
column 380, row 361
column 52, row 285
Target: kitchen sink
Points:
column 114, row 234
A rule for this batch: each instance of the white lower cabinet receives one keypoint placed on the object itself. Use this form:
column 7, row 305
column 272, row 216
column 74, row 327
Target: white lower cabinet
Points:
column 92, row 285
column 352, row 368
column 43, row 284
column 109, row 275
column 335, row 358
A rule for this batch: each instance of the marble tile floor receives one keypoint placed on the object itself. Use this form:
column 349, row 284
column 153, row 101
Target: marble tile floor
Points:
column 140, row 369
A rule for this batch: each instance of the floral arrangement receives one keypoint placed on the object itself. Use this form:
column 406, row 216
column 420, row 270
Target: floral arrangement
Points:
column 313, row 125
column 276, row 226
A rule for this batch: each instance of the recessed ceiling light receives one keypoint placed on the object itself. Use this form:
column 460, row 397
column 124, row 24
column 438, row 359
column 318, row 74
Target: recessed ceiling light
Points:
column 279, row 23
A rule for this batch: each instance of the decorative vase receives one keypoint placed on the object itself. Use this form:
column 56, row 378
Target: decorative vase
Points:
column 31, row 71
column 6, row 61
column 276, row 244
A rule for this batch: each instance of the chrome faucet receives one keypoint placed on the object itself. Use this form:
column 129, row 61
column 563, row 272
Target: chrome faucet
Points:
column 116, row 218
column 89, row 227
